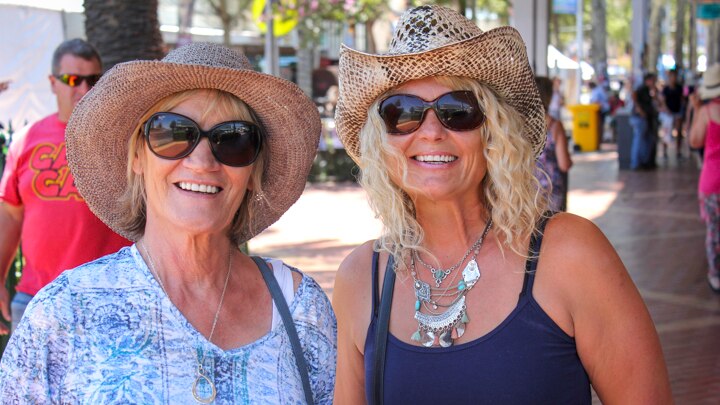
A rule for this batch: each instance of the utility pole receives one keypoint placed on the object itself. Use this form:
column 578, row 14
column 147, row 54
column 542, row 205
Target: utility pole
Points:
column 272, row 56
column 579, row 39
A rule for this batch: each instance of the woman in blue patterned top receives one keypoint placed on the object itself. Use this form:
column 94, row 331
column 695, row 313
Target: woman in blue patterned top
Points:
column 182, row 316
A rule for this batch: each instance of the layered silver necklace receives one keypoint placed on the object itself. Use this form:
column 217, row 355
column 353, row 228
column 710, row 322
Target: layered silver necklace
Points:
column 200, row 373
column 443, row 327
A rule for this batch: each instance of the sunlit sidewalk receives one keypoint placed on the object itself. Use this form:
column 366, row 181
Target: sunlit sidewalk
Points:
column 651, row 218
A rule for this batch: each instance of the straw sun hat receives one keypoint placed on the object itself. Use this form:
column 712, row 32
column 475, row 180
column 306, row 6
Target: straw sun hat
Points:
column 711, row 83
column 437, row 41
column 99, row 129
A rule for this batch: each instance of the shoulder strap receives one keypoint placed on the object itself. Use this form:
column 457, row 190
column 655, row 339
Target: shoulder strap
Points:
column 382, row 333
column 534, row 252
column 375, row 292
column 284, row 311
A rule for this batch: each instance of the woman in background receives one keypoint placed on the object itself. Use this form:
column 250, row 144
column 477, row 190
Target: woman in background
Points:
column 554, row 161
column 705, row 133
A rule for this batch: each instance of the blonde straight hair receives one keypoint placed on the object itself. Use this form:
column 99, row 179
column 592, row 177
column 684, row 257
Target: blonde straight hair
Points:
column 134, row 198
column 509, row 190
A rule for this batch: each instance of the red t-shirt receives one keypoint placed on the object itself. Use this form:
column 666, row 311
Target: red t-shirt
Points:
column 59, row 231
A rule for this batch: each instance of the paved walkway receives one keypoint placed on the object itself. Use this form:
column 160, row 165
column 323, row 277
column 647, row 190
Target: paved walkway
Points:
column 650, row 217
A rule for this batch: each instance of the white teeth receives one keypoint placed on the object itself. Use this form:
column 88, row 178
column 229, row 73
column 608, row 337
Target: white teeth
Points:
column 200, row 188
column 435, row 158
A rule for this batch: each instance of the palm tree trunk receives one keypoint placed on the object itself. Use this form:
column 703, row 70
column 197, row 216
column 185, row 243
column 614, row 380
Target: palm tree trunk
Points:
column 680, row 33
column 713, row 44
column 186, row 9
column 305, row 64
column 370, row 36
column 598, row 36
column 123, row 30
column 692, row 39
column 657, row 13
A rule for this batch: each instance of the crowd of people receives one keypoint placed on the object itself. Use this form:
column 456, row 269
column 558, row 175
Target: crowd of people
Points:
column 464, row 158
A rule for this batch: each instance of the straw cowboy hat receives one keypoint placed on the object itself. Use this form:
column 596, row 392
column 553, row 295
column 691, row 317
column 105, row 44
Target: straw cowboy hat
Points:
column 711, row 83
column 437, row 41
column 99, row 129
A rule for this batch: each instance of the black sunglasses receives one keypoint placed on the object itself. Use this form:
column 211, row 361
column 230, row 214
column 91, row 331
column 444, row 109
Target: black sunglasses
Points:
column 174, row 136
column 456, row 110
column 76, row 80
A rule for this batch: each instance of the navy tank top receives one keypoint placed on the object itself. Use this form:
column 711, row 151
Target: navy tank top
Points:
column 527, row 359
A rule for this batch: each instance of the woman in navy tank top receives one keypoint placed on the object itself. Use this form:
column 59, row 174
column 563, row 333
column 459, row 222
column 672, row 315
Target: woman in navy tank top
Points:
column 474, row 294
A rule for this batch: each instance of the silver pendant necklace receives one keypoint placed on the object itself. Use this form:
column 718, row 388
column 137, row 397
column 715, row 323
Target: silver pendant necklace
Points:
column 439, row 274
column 442, row 328
column 200, row 373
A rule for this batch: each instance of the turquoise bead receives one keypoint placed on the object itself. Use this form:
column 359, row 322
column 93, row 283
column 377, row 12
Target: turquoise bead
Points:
column 461, row 285
column 417, row 305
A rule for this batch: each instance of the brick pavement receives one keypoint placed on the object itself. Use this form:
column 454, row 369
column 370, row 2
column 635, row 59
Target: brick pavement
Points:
column 650, row 217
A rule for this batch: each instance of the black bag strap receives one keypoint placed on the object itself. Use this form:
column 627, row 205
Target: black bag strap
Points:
column 383, row 323
column 284, row 311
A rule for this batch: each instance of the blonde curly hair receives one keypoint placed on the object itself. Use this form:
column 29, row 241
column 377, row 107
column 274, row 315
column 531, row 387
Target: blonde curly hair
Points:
column 511, row 193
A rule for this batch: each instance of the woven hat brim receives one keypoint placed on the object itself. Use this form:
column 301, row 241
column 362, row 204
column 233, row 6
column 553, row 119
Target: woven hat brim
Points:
column 708, row 93
column 99, row 129
column 497, row 58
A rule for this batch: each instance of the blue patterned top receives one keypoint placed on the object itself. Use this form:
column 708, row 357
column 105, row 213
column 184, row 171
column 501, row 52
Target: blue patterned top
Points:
column 105, row 332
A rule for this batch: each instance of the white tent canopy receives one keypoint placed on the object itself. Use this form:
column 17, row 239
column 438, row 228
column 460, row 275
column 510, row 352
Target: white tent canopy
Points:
column 556, row 60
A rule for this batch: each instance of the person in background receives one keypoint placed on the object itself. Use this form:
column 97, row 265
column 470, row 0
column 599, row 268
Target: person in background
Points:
column 705, row 133
column 39, row 203
column 554, row 161
column 557, row 102
column 672, row 113
column 599, row 96
column 474, row 293
column 322, row 81
column 616, row 103
column 697, row 153
column 189, row 169
column 643, row 119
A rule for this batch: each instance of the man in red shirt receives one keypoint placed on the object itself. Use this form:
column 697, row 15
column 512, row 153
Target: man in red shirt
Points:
column 39, row 204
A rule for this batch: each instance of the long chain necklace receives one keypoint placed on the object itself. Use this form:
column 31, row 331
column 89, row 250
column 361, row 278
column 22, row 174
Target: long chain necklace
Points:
column 439, row 274
column 442, row 328
column 200, row 372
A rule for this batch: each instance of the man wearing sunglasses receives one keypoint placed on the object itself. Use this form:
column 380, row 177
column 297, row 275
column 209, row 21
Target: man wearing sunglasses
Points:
column 39, row 204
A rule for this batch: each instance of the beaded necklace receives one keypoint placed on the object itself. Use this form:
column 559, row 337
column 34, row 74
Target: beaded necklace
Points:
column 442, row 328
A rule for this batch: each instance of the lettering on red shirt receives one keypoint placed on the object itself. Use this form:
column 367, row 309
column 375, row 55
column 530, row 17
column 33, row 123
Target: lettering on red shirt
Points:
column 52, row 179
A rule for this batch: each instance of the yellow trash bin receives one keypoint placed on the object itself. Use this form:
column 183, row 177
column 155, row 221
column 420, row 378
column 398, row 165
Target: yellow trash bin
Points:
column 585, row 126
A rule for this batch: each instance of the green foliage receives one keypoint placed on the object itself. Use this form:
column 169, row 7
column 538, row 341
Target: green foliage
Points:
column 499, row 7
column 619, row 22
column 618, row 25
column 312, row 14
column 333, row 165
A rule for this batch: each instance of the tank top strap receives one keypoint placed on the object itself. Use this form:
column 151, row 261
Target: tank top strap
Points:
column 534, row 253
column 375, row 284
